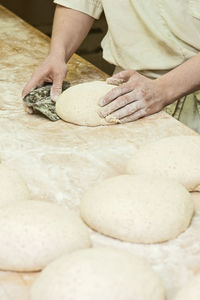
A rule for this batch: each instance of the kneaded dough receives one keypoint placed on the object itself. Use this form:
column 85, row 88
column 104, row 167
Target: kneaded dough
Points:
column 176, row 157
column 12, row 186
column 96, row 274
column 138, row 209
column 13, row 286
column 79, row 104
column 191, row 291
column 33, row 233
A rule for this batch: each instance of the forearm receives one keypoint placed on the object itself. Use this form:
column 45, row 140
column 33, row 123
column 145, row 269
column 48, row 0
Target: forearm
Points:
column 182, row 80
column 69, row 30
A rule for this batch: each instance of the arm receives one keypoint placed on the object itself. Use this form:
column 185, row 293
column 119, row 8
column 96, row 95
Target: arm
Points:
column 140, row 96
column 183, row 80
column 69, row 30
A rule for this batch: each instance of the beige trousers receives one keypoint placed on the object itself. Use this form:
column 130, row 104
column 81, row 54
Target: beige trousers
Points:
column 186, row 110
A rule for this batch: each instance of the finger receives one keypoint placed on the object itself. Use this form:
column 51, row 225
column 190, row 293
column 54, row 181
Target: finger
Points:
column 117, row 104
column 31, row 85
column 124, row 75
column 56, row 89
column 120, row 77
column 115, row 93
column 128, row 110
column 114, row 81
column 135, row 116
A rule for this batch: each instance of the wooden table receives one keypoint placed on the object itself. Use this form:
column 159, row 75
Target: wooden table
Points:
column 59, row 161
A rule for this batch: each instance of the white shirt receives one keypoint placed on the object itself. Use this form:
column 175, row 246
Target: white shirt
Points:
column 151, row 36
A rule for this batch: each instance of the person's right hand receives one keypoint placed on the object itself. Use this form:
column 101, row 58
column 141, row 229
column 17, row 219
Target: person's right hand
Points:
column 51, row 70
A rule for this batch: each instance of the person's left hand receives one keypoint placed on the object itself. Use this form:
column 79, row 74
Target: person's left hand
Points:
column 137, row 97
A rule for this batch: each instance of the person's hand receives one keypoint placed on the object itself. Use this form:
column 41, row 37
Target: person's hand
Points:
column 51, row 70
column 137, row 97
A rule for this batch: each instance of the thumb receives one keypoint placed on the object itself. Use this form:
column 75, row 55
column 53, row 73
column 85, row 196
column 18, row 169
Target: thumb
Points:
column 56, row 88
column 120, row 77
column 31, row 85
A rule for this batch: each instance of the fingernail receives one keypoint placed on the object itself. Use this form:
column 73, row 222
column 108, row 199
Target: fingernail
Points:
column 100, row 114
column 23, row 95
column 55, row 95
column 54, row 98
column 108, row 80
column 101, row 101
column 103, row 113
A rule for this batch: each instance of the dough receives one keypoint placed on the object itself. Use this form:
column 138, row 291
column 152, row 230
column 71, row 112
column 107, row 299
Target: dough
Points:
column 138, row 209
column 96, row 274
column 33, row 233
column 191, row 291
column 12, row 186
column 14, row 286
column 79, row 104
column 176, row 157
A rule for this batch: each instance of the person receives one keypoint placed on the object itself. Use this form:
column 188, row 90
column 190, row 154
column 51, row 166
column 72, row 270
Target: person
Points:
column 154, row 45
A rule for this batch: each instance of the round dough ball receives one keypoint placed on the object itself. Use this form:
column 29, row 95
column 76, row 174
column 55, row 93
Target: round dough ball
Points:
column 12, row 186
column 191, row 291
column 79, row 104
column 33, row 233
column 96, row 274
column 176, row 157
column 138, row 209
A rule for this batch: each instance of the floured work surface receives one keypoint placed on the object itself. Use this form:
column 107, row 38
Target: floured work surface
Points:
column 59, row 161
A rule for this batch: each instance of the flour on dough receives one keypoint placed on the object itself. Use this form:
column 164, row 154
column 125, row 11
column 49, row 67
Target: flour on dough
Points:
column 176, row 157
column 79, row 104
column 138, row 209
column 33, row 233
column 96, row 274
column 12, row 186
column 191, row 291
column 13, row 286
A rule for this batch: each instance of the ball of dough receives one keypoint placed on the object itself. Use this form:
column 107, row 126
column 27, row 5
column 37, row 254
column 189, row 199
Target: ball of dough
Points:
column 33, row 233
column 191, row 291
column 12, row 186
column 96, row 274
column 79, row 104
column 138, row 209
column 176, row 157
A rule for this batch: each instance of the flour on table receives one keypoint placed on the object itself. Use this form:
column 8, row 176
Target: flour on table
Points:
column 12, row 186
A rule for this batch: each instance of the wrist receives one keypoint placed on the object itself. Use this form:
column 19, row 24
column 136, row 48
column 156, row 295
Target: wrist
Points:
column 168, row 90
column 57, row 56
column 59, row 53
